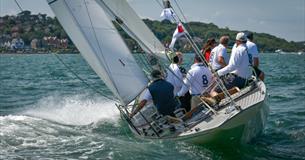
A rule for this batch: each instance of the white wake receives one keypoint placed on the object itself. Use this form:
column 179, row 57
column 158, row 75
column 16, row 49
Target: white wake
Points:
column 75, row 110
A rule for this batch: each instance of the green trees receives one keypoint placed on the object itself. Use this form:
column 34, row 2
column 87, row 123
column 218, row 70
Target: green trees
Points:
column 38, row 26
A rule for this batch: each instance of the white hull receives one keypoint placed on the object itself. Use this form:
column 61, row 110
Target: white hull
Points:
column 235, row 127
column 241, row 128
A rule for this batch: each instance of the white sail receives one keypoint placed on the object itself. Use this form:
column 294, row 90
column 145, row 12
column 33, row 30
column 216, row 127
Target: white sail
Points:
column 100, row 44
column 134, row 26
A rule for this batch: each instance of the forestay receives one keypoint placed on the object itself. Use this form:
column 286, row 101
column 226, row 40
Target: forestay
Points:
column 134, row 26
column 100, row 44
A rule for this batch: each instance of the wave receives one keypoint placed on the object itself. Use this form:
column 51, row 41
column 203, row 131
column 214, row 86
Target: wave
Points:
column 74, row 110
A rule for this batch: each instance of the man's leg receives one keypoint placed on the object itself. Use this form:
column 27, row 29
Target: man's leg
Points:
column 195, row 101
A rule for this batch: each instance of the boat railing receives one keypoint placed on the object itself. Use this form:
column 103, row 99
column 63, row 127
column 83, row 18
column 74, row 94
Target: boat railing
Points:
column 148, row 122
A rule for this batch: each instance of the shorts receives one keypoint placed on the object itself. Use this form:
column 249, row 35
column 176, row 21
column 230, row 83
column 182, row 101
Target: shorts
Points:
column 232, row 80
column 195, row 101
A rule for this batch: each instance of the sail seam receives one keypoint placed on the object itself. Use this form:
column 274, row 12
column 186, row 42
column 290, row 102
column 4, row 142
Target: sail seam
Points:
column 106, row 66
column 79, row 25
column 136, row 37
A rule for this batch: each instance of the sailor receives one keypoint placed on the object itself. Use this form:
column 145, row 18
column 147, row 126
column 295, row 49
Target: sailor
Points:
column 175, row 77
column 254, row 56
column 237, row 71
column 207, row 48
column 161, row 93
column 197, row 80
column 219, row 56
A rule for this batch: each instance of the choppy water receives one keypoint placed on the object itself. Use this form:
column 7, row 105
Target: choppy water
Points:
column 45, row 112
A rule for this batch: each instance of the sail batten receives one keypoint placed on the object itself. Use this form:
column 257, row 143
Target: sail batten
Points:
column 100, row 44
column 134, row 26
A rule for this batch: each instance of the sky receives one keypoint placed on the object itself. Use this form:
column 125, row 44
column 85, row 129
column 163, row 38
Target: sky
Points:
column 282, row 18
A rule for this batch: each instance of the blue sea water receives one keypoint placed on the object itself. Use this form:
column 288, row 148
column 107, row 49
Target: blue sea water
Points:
column 47, row 113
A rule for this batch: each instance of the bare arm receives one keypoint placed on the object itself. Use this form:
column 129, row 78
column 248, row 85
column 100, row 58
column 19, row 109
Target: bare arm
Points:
column 221, row 61
column 234, row 62
column 255, row 61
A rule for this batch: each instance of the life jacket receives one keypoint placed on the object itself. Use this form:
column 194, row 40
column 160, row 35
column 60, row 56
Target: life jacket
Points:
column 162, row 93
column 207, row 55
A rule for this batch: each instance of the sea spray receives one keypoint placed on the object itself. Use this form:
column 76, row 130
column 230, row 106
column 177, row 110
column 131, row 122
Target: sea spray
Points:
column 75, row 110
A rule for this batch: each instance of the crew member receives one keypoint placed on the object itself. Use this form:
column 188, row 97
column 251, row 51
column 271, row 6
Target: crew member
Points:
column 254, row 56
column 161, row 93
column 219, row 56
column 238, row 69
column 197, row 80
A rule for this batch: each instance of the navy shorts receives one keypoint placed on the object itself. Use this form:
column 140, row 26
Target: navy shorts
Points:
column 231, row 80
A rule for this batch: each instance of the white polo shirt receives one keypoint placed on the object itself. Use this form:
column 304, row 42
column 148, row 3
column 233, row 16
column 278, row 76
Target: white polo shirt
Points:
column 175, row 77
column 219, row 50
column 252, row 50
column 238, row 63
column 197, row 80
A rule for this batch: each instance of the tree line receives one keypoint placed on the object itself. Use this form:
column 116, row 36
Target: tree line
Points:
column 29, row 26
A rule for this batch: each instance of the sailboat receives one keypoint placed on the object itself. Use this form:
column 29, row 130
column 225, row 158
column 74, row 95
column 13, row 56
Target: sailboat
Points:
column 239, row 116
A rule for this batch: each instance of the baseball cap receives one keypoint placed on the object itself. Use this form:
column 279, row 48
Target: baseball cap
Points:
column 241, row 36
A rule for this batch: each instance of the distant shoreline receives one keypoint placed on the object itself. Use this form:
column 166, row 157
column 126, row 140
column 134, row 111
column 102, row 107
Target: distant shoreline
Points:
column 39, row 53
column 65, row 51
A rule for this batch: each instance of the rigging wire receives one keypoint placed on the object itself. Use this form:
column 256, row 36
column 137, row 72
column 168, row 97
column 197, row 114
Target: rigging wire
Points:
column 218, row 80
column 76, row 74
column 18, row 6
column 168, row 68
column 162, row 66
column 159, row 3
column 99, row 47
column 197, row 51
column 188, row 37
column 73, row 72
column 184, row 17
column 82, row 80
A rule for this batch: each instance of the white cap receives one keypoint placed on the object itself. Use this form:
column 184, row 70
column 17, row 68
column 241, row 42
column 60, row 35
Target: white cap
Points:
column 241, row 36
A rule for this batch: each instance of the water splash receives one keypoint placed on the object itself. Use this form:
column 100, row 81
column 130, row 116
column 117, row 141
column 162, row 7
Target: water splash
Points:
column 75, row 110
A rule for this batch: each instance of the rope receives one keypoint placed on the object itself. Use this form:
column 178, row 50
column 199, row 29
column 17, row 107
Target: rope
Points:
column 162, row 65
column 184, row 17
column 194, row 46
column 82, row 80
column 99, row 47
column 74, row 73
column 18, row 6
column 197, row 51
column 159, row 3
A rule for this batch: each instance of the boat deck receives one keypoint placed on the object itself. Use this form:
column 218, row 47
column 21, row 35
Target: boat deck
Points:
column 204, row 121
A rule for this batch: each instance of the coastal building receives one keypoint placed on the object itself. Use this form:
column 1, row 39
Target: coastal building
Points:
column 35, row 44
column 17, row 43
column 7, row 45
column 64, row 43
column 55, row 42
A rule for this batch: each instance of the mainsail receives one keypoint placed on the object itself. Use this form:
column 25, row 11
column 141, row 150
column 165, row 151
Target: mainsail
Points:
column 134, row 26
column 100, row 44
